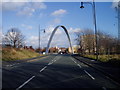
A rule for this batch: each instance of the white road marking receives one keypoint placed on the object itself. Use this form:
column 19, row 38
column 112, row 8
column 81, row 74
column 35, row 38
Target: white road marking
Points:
column 104, row 88
column 79, row 65
column 50, row 63
column 89, row 74
column 25, row 83
column 10, row 65
column 43, row 69
column 54, row 60
column 7, row 65
column 74, row 60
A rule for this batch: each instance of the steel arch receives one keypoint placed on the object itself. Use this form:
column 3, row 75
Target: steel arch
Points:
column 56, row 28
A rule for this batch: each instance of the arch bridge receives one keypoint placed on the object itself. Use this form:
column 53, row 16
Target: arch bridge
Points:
column 50, row 39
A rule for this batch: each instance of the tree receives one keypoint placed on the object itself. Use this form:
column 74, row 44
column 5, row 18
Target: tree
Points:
column 14, row 38
column 86, row 40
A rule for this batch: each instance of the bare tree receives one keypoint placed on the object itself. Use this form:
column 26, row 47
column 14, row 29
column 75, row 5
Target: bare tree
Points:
column 86, row 41
column 14, row 38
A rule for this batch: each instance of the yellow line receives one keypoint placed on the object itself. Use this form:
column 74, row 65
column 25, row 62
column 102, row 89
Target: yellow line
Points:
column 37, row 59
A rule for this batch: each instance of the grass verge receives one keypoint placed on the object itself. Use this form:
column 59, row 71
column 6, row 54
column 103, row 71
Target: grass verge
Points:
column 11, row 54
column 112, row 59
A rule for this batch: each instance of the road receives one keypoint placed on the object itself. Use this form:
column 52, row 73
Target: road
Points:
column 54, row 71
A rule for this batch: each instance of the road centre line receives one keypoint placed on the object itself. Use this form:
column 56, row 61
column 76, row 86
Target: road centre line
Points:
column 55, row 59
column 43, row 69
column 25, row 83
column 50, row 63
column 89, row 75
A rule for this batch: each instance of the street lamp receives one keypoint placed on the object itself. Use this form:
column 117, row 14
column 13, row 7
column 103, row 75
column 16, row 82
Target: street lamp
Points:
column 95, row 26
column 40, row 37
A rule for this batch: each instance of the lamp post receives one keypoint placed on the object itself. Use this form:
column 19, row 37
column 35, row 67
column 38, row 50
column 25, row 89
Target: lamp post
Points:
column 40, row 37
column 95, row 25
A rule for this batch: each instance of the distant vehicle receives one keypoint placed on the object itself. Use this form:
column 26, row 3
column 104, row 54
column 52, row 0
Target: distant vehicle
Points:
column 43, row 52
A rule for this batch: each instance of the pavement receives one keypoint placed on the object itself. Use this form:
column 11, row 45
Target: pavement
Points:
column 55, row 71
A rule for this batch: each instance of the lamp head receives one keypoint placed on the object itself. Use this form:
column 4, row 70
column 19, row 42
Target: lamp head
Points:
column 81, row 5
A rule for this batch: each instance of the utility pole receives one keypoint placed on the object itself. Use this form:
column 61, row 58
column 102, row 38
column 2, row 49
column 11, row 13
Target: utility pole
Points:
column 95, row 25
column 119, row 20
column 96, row 34
column 39, row 40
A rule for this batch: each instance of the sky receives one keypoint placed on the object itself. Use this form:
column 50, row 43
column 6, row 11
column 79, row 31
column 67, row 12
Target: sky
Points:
column 27, row 16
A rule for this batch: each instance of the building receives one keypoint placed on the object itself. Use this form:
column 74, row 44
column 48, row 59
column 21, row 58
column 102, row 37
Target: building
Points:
column 53, row 50
column 75, row 49
column 58, row 50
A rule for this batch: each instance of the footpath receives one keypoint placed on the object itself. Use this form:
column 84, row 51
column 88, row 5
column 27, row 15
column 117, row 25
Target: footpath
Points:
column 108, row 69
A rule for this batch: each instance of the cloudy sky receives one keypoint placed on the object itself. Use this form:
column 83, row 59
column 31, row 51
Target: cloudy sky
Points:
column 27, row 16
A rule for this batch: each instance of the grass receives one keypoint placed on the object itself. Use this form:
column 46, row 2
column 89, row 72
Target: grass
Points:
column 104, row 58
column 11, row 54
column 112, row 59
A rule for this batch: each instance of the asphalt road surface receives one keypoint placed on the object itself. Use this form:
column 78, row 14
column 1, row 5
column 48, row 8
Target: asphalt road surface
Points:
column 54, row 71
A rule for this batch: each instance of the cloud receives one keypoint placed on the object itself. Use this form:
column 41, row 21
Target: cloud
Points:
column 28, row 27
column 23, row 8
column 51, row 28
column 26, row 11
column 23, row 0
column 31, row 8
column 115, row 4
column 39, row 5
column 59, row 12
column 12, row 6
column 74, row 30
column 33, row 40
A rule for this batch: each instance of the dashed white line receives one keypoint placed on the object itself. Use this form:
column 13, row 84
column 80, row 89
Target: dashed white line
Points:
column 54, row 60
column 79, row 65
column 25, row 83
column 89, row 75
column 43, row 69
column 49, row 63
column 104, row 88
